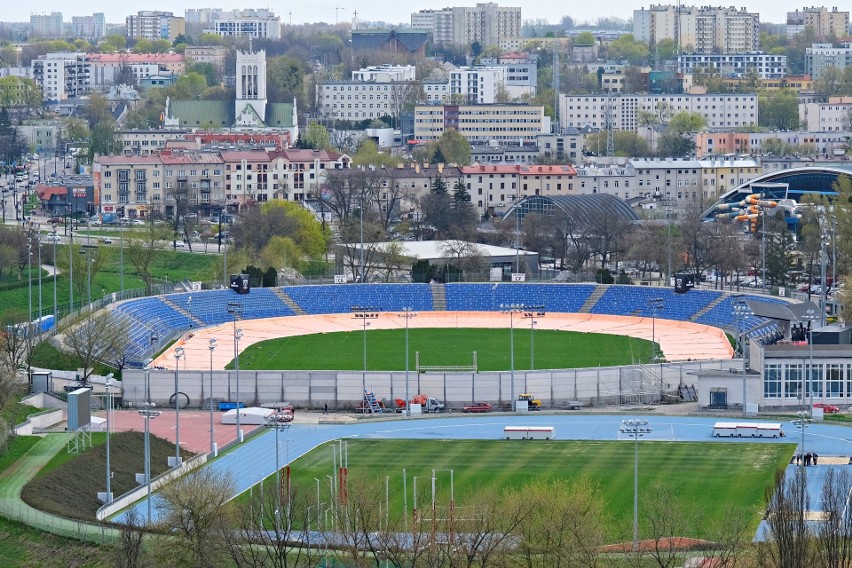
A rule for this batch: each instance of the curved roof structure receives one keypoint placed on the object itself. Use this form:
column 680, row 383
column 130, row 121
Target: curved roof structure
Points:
column 575, row 205
column 786, row 184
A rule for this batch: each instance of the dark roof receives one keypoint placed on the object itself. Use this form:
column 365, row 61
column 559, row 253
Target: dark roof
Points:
column 576, row 205
column 372, row 40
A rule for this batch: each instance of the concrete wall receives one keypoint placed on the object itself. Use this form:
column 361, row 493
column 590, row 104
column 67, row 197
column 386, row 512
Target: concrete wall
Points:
column 39, row 421
column 344, row 389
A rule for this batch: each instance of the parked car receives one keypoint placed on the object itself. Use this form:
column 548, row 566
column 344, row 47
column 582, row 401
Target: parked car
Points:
column 827, row 408
column 477, row 407
column 55, row 220
column 106, row 241
column 71, row 387
column 180, row 244
column 52, row 238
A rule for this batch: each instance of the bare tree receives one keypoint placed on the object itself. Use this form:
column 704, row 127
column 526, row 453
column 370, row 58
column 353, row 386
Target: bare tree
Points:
column 17, row 340
column 834, row 529
column 142, row 246
column 467, row 257
column 131, row 552
column 95, row 337
column 788, row 543
column 192, row 512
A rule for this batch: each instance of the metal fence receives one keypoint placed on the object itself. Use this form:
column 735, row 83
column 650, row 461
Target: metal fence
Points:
column 68, row 528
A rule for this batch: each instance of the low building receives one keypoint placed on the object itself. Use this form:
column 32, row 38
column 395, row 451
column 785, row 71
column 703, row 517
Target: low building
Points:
column 832, row 116
column 735, row 65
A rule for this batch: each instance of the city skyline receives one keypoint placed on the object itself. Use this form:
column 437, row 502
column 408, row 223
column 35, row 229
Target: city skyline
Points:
column 379, row 10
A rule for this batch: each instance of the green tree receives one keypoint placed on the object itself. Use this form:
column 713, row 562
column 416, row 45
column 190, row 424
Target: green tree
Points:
column 285, row 80
column 454, row 147
column 207, row 70
column 368, row 155
column 671, row 145
column 316, row 136
column 627, row 47
column 686, row 122
column 439, row 186
column 585, row 38
column 779, row 110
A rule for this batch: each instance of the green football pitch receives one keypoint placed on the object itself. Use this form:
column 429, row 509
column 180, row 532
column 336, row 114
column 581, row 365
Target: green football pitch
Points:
column 705, row 478
column 445, row 347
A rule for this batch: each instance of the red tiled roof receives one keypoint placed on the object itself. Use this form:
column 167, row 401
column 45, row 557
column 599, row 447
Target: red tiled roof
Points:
column 303, row 155
column 247, row 155
column 483, row 169
column 561, row 170
column 45, row 192
column 127, row 160
column 191, row 158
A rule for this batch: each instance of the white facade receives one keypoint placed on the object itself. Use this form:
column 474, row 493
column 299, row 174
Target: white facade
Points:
column 258, row 24
column 821, row 20
column 485, row 23
column 46, row 25
column 719, row 111
column 360, row 101
column 766, row 65
column 707, row 29
column 250, row 102
column 148, row 24
column 60, row 75
column 482, row 123
column 822, row 55
column 833, row 116
column 385, row 74
column 476, row 85
column 90, row 27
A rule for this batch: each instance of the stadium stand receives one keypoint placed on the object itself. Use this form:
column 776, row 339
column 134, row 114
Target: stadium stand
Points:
column 336, row 299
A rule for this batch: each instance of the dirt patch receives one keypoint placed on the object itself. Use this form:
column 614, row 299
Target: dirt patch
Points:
column 680, row 543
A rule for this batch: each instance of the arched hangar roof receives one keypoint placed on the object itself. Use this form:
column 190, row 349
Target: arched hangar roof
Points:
column 575, row 205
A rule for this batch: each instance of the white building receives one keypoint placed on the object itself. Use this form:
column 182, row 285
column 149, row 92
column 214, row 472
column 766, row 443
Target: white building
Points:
column 90, row 27
column 61, row 75
column 485, row 23
column 385, row 74
column 767, row 66
column 482, row 123
column 833, row 116
column 258, row 24
column 153, row 25
column 250, row 102
column 822, row 55
column 707, row 29
column 718, row 110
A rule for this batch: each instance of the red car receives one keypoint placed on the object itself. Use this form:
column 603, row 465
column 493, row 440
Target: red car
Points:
column 827, row 408
column 478, row 407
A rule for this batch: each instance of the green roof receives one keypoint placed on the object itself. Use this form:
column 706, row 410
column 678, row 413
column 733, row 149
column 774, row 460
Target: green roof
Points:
column 203, row 113
column 279, row 115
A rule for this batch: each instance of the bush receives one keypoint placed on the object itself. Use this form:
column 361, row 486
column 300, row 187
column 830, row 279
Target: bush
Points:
column 603, row 276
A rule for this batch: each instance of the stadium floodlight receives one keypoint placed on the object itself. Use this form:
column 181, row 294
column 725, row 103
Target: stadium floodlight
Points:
column 108, row 384
column 512, row 309
column 273, row 422
column 236, row 310
column 635, row 428
column 179, row 354
column 407, row 313
column 211, row 347
column 531, row 312
column 148, row 412
column 365, row 313
column 742, row 311
column 809, row 316
column 654, row 304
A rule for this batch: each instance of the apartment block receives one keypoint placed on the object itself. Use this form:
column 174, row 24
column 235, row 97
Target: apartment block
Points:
column 486, row 23
column 258, row 24
column 822, row 55
column 46, row 25
column 481, row 123
column 214, row 55
column 153, row 25
column 90, row 27
column 385, row 74
column 718, row 110
column 832, row 116
column 735, row 66
column 493, row 188
column 821, row 20
column 703, row 30
column 61, row 75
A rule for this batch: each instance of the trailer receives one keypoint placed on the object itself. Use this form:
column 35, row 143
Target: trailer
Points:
column 746, row 430
column 528, row 432
column 725, row 429
column 769, row 430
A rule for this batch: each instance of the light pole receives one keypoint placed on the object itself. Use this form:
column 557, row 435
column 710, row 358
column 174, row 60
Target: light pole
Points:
column 30, row 281
column 272, row 422
column 635, row 428
column 407, row 313
column 511, row 309
column 108, row 385
column 38, row 245
column 742, row 311
column 802, row 421
column 178, row 356
column 148, row 412
column 365, row 313
column 55, row 309
column 532, row 313
column 235, row 309
column 211, row 347
column 809, row 316
column 654, row 304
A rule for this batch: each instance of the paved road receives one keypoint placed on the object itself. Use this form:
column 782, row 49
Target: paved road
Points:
column 255, row 459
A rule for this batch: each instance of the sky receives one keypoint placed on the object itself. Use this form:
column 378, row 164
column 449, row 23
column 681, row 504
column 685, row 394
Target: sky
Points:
column 393, row 11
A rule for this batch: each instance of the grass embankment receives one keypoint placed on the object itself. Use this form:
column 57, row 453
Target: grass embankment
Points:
column 710, row 478
column 68, row 485
column 445, row 346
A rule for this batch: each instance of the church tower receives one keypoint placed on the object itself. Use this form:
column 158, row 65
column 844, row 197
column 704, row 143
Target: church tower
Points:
column 250, row 104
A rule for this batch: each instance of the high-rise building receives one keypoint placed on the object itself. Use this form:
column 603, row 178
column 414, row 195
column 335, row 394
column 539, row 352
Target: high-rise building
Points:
column 822, row 55
column 152, row 25
column 46, row 25
column 703, row 30
column 485, row 23
column 821, row 20
column 89, row 27
column 259, row 24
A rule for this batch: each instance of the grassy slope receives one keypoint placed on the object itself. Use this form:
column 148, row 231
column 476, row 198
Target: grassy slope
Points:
column 697, row 474
column 386, row 348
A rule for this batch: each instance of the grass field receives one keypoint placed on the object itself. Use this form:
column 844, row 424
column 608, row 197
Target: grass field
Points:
column 445, row 346
column 696, row 474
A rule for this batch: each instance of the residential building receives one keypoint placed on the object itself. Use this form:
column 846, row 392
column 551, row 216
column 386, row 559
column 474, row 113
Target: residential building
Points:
column 832, row 116
column 61, row 75
column 102, row 69
column 822, row 55
column 767, row 66
column 213, row 55
column 44, row 136
column 718, row 110
column 721, row 173
column 411, row 43
column 798, row 83
column 202, row 16
column 296, row 175
column 518, row 43
column 481, row 123
column 129, row 186
column 43, row 25
column 674, row 181
column 89, row 27
column 385, row 74
column 738, row 142
column 703, row 30
column 346, row 100
column 821, row 20
column 254, row 23
column 493, row 188
column 152, row 25
column 486, row 23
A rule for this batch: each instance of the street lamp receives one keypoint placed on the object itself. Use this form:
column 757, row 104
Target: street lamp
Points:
column 211, row 346
column 802, row 421
column 272, row 422
column 654, row 304
column 235, row 309
column 635, row 428
column 532, row 313
column 407, row 313
column 742, row 310
column 30, row 280
column 55, row 309
column 365, row 313
column 108, row 385
column 809, row 316
column 511, row 309
column 148, row 412
column 178, row 356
